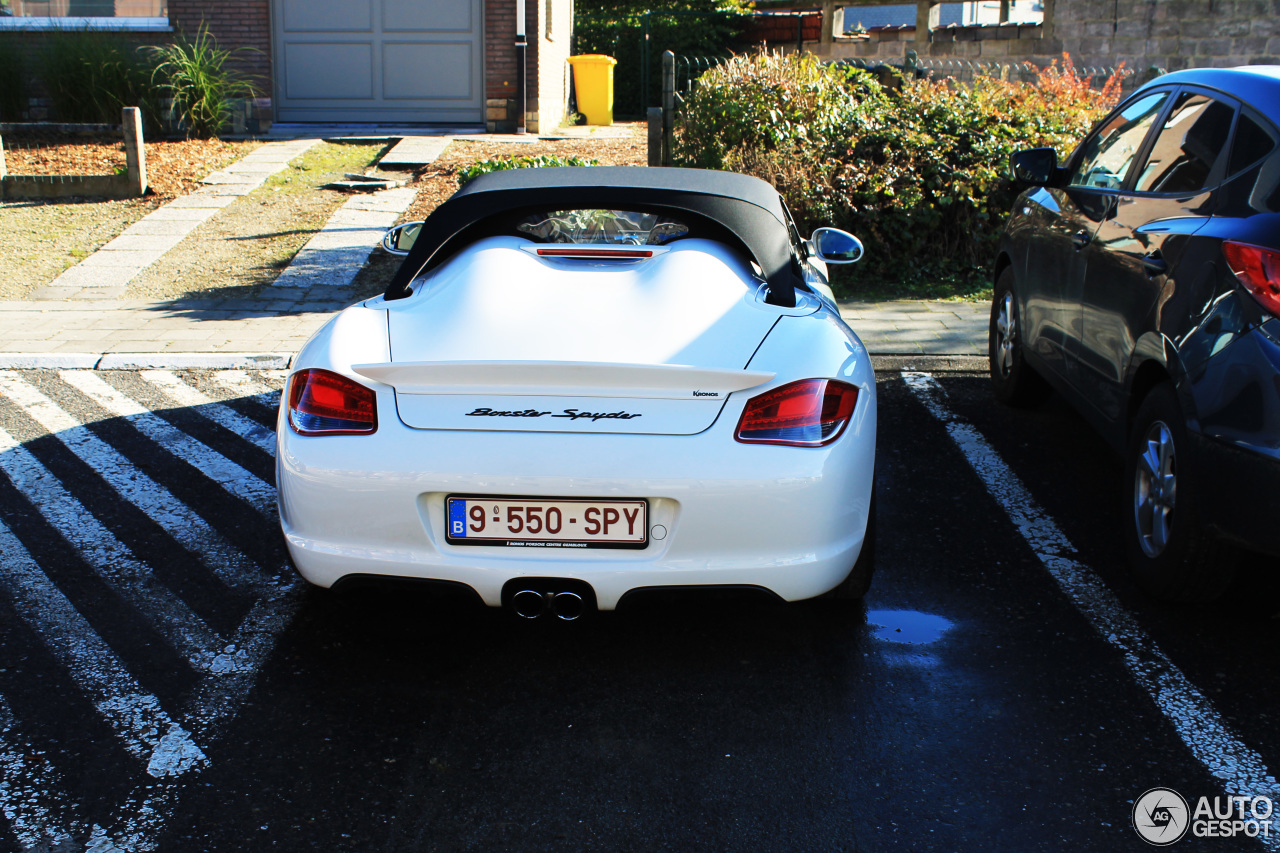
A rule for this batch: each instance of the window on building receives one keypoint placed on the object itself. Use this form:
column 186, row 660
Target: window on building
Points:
column 37, row 14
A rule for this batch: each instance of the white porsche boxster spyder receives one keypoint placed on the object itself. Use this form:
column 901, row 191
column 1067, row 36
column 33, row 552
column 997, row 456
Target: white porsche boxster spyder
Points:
column 588, row 382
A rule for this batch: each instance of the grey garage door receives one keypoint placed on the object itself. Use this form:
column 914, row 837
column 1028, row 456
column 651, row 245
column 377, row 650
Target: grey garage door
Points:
column 378, row 60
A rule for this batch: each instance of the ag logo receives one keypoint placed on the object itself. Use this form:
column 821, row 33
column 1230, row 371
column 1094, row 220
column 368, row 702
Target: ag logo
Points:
column 1161, row 816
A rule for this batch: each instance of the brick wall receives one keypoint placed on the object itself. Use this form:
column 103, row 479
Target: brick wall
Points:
column 500, row 64
column 235, row 24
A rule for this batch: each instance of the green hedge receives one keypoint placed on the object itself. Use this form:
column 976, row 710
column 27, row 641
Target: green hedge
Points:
column 917, row 169
column 499, row 164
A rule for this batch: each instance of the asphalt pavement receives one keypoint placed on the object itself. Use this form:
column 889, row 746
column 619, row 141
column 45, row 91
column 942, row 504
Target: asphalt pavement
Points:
column 167, row 685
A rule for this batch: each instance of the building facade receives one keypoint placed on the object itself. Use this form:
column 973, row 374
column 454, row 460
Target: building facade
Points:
column 353, row 61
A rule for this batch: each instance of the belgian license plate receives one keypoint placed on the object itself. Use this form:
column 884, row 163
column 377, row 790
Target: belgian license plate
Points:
column 547, row 522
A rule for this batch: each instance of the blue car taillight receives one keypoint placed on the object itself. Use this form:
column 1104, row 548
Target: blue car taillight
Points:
column 808, row 413
column 1258, row 270
column 322, row 402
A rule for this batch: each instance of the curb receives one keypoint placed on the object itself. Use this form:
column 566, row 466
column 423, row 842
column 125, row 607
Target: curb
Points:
column 146, row 361
column 888, row 362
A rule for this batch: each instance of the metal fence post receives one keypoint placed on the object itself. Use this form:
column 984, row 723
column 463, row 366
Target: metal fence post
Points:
column 655, row 136
column 134, row 152
column 668, row 103
column 3, row 170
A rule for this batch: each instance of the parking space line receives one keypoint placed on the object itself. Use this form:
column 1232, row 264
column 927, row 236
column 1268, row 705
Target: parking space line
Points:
column 135, row 715
column 233, row 478
column 177, row 519
column 1197, row 722
column 241, row 384
column 110, row 558
column 223, row 415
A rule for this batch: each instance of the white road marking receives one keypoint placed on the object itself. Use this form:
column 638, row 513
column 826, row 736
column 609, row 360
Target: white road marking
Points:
column 1197, row 722
column 233, row 478
column 135, row 715
column 147, row 809
column 177, row 519
column 110, row 558
column 28, row 782
column 226, row 416
column 241, row 384
column 32, row 792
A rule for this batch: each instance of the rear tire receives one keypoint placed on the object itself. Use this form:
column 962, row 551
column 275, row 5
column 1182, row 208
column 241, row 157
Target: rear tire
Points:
column 1171, row 554
column 855, row 586
column 1015, row 383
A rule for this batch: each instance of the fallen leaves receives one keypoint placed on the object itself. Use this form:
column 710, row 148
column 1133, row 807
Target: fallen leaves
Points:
column 174, row 168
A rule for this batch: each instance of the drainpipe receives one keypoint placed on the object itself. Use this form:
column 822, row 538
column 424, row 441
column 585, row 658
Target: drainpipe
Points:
column 521, row 44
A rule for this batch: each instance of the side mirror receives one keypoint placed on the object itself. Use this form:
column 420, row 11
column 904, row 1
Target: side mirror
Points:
column 1035, row 166
column 399, row 240
column 834, row 246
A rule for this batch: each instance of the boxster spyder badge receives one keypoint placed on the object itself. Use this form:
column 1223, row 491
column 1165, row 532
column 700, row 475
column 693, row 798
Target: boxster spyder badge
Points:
column 586, row 382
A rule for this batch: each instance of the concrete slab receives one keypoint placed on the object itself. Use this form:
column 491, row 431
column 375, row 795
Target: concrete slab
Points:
column 90, row 277
column 195, row 361
column 200, row 199
column 128, row 242
column 164, row 227
column 104, row 257
column 170, row 213
column 48, row 361
column 413, row 152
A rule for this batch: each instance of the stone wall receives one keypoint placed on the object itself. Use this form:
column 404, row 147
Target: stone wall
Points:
column 1146, row 35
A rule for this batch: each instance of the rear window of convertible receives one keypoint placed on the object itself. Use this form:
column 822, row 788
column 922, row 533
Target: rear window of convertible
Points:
column 618, row 227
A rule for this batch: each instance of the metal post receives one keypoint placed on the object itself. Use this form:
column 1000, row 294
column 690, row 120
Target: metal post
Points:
column 799, row 32
column 655, row 136
column 668, row 103
column 135, row 154
column 521, row 85
column 3, row 171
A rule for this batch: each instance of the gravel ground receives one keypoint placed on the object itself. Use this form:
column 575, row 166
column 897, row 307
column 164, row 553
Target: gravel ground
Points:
column 246, row 245
column 40, row 239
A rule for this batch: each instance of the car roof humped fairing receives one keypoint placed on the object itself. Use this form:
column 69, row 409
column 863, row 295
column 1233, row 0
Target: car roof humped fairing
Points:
column 749, row 209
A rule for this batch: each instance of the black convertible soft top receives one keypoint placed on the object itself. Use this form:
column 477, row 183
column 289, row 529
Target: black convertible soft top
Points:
column 747, row 208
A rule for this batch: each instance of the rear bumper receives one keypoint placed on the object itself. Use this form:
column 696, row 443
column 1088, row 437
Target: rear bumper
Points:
column 788, row 519
column 1238, row 493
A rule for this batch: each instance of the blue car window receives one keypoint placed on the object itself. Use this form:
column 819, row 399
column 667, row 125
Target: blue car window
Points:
column 1253, row 142
column 1109, row 152
column 1189, row 145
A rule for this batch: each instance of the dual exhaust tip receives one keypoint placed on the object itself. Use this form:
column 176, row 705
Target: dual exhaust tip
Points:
column 563, row 604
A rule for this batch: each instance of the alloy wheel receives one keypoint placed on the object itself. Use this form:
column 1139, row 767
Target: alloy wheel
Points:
column 1006, row 334
column 1155, row 490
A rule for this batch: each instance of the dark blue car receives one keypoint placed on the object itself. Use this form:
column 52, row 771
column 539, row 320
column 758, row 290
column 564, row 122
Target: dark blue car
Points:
column 1140, row 278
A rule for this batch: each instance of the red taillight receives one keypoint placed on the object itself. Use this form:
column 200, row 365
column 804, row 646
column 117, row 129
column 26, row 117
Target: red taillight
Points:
column 808, row 413
column 1258, row 270
column 322, row 402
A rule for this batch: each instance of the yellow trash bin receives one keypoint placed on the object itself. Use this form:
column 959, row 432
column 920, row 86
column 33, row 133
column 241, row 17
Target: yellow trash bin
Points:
column 593, row 79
